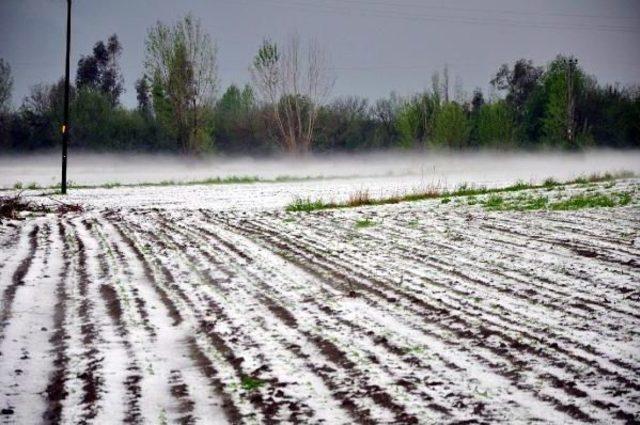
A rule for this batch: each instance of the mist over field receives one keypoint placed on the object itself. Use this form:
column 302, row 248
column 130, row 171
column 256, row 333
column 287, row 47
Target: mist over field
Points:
column 445, row 169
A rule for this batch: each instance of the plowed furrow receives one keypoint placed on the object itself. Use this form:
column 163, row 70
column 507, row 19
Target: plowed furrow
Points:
column 529, row 349
column 204, row 305
column 24, row 371
column 456, row 327
column 591, row 246
column 449, row 269
column 216, row 308
column 492, row 262
column 179, row 340
column 627, row 264
column 111, row 289
column 322, row 314
column 17, row 280
column 57, row 390
column 409, row 268
column 91, row 375
column 466, row 259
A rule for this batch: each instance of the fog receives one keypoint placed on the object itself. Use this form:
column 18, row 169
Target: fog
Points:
column 445, row 168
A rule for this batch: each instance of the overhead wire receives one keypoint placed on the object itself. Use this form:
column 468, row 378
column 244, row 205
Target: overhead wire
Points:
column 323, row 7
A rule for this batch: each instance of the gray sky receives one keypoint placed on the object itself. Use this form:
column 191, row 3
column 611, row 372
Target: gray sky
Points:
column 375, row 46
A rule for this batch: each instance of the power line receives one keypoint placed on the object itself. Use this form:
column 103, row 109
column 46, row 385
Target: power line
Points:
column 379, row 13
column 424, row 6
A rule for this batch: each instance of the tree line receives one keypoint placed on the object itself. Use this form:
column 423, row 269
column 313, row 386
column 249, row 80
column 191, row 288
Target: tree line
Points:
column 286, row 107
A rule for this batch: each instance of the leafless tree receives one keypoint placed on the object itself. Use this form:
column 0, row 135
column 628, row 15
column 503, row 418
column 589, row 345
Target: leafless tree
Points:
column 294, row 83
column 6, row 85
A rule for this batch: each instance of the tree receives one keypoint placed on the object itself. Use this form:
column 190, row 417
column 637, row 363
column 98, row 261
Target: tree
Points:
column 519, row 83
column 235, row 119
column 41, row 112
column 143, row 95
column 451, row 128
column 6, row 86
column 445, row 84
column 416, row 117
column 563, row 83
column 494, row 125
column 101, row 70
column 477, row 100
column 181, row 61
column 293, row 83
column 385, row 112
column 345, row 124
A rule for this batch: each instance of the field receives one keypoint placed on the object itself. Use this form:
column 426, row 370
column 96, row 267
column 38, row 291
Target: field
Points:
column 194, row 304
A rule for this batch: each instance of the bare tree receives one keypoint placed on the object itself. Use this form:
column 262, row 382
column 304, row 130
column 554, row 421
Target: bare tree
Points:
column 459, row 94
column 6, row 85
column 445, row 84
column 181, row 61
column 294, row 83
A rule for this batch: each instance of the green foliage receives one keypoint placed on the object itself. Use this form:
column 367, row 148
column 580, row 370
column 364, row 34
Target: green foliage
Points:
column 494, row 202
column 100, row 71
column 592, row 201
column 175, row 113
column 306, row 205
column 495, row 125
column 497, row 200
column 451, row 128
column 181, row 60
column 557, row 124
column 364, row 223
column 268, row 56
column 575, row 202
column 250, row 383
column 416, row 118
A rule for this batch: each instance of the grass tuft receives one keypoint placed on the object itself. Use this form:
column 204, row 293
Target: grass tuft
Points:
column 594, row 200
column 306, row 205
column 575, row 202
column 364, row 223
column 359, row 198
column 250, row 383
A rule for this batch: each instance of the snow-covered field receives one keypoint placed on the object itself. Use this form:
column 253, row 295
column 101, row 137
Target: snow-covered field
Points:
column 210, row 304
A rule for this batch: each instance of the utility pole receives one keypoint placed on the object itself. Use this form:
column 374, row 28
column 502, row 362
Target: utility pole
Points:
column 65, row 123
column 570, row 65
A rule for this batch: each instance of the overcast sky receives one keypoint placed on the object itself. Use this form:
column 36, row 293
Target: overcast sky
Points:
column 375, row 46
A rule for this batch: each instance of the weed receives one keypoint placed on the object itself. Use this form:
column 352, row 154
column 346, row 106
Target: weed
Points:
column 11, row 206
column 445, row 200
column 594, row 200
column 550, row 183
column 466, row 189
column 362, row 198
column 576, row 202
column 17, row 185
column 536, row 203
column 306, row 205
column 249, row 383
column 495, row 202
column 519, row 185
column 359, row 198
column 364, row 223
